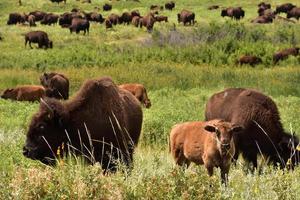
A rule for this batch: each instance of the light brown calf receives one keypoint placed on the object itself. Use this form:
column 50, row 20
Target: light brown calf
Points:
column 139, row 91
column 24, row 93
column 204, row 143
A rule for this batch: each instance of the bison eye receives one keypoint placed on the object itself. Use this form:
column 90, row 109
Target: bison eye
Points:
column 42, row 127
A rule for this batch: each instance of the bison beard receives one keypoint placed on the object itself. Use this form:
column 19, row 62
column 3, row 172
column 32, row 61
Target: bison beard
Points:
column 101, row 122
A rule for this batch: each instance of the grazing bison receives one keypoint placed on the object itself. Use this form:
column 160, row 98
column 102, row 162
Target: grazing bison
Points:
column 249, row 60
column 58, row 1
column 186, row 17
column 161, row 18
column 258, row 114
column 135, row 21
column 94, row 17
column 107, row 7
column 125, row 18
column 263, row 19
column 31, row 20
column 50, row 19
column 101, row 122
column 295, row 13
column 139, row 91
column 80, row 25
column 114, row 19
column 213, row 7
column 56, row 85
column 39, row 15
column 235, row 13
column 39, row 37
column 16, row 18
column 170, row 5
column 284, row 8
column 205, row 143
column 24, row 93
column 284, row 54
column 148, row 21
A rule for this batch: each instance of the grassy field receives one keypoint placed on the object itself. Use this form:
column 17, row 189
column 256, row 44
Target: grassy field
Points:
column 181, row 69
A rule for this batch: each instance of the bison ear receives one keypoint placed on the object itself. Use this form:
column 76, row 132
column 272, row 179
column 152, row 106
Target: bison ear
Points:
column 237, row 129
column 210, row 128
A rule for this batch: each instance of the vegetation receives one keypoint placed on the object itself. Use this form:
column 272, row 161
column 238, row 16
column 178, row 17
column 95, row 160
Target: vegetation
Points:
column 180, row 66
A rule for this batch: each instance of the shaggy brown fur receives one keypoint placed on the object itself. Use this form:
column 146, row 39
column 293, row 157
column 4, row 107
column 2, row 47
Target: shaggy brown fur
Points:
column 80, row 25
column 170, row 5
column 262, row 20
column 101, row 122
column 147, row 21
column 204, row 143
column 161, row 18
column 186, row 17
column 284, row 54
column 16, row 18
column 294, row 13
column 135, row 21
column 31, row 20
column 114, row 19
column 39, row 15
column 56, row 85
column 250, row 60
column 139, row 91
column 235, row 13
column 284, row 8
column 50, row 19
column 24, row 93
column 259, row 115
column 39, row 37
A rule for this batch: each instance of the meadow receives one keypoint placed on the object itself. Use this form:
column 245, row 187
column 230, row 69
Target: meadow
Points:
column 180, row 66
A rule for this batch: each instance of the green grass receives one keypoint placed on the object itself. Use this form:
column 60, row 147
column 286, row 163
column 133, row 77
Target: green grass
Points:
column 181, row 69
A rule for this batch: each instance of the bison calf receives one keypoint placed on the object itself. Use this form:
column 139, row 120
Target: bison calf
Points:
column 284, row 54
column 139, row 91
column 24, row 93
column 250, row 60
column 204, row 143
column 39, row 37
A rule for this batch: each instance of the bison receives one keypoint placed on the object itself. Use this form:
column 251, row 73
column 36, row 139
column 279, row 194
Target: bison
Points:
column 135, row 13
column 125, row 18
column 56, row 85
column 284, row 54
column 135, row 21
column 205, row 143
column 114, row 19
column 66, row 18
column 284, row 8
column 101, row 122
column 186, row 17
column 39, row 15
column 16, row 18
column 148, row 21
column 107, row 7
column 139, row 91
column 31, row 20
column 263, row 133
column 213, row 7
column 24, row 93
column 170, row 5
column 156, row 7
column 94, row 17
column 161, row 18
column 295, row 13
column 108, row 24
column 80, row 25
column 50, row 19
column 265, row 19
column 234, row 13
column 58, row 1
column 264, row 5
column 249, row 60
column 39, row 37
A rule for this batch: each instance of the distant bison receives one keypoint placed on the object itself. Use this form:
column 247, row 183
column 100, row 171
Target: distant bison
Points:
column 39, row 15
column 135, row 21
column 31, row 20
column 135, row 13
column 80, row 25
column 205, row 143
column 94, row 17
column 125, row 18
column 139, row 91
column 101, row 122
column 114, row 19
column 170, row 5
column 148, row 21
column 161, row 18
column 263, row 132
column 294, row 13
column 39, row 37
column 284, row 8
column 107, row 7
column 235, row 13
column 24, row 93
column 108, row 24
column 50, row 19
column 16, row 18
column 249, row 60
column 284, row 54
column 213, row 7
column 263, row 19
column 56, row 85
column 265, row 5
column 156, row 7
column 66, row 18
column 186, row 17
column 58, row 1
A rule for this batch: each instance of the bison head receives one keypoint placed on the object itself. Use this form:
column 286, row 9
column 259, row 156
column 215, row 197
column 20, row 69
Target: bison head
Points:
column 147, row 103
column 46, row 132
column 289, row 151
column 50, row 44
column 8, row 94
column 224, row 13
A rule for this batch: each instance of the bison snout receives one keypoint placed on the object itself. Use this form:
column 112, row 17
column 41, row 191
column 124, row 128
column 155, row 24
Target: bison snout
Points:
column 225, row 146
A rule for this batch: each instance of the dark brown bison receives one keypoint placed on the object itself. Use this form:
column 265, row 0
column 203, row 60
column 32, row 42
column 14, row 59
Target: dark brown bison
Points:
column 156, row 7
column 170, row 5
column 101, row 122
column 213, row 7
column 50, row 19
column 107, row 7
column 135, row 13
column 284, row 54
column 186, row 17
column 263, row 132
column 147, row 21
column 135, row 21
column 125, row 18
column 108, row 24
column 284, row 8
column 139, row 91
column 66, row 18
column 56, row 85
column 294, row 13
column 31, row 20
column 80, row 25
column 114, row 19
column 24, row 93
column 161, row 18
column 205, row 143
column 39, row 37
column 16, row 18
column 249, row 60
column 58, row 1
column 234, row 13
column 94, row 17
column 263, row 19
column 39, row 15
column 268, row 13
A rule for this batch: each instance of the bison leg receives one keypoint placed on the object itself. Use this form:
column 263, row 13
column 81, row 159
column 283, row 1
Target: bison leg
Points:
column 30, row 44
column 26, row 42
column 224, row 175
column 251, row 157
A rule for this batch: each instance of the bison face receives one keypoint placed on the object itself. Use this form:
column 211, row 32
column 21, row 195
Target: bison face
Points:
column 46, row 132
column 50, row 44
column 289, row 151
column 224, row 13
column 8, row 94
